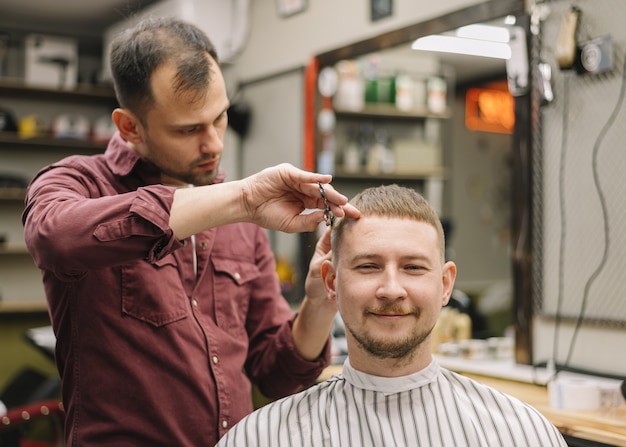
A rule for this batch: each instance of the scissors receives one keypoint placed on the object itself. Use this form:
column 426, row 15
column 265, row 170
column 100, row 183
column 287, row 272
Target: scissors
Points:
column 329, row 217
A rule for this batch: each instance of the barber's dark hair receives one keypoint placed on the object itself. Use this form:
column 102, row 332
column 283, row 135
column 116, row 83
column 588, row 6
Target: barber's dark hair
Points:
column 138, row 51
column 390, row 201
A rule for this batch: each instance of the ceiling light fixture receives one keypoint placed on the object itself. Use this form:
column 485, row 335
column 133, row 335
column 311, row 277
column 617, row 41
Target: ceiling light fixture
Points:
column 460, row 45
column 484, row 32
column 471, row 40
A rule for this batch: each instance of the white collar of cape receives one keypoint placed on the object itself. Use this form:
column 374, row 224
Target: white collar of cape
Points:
column 390, row 385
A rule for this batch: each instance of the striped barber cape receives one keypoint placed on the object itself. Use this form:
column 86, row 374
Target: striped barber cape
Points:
column 431, row 408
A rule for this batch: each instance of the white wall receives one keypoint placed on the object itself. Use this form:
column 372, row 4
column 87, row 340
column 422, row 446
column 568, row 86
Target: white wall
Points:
column 597, row 349
column 276, row 44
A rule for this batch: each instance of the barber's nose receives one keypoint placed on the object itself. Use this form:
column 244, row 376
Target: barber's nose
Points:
column 211, row 141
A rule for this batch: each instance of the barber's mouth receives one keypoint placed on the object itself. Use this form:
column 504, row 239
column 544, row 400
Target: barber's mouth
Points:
column 208, row 165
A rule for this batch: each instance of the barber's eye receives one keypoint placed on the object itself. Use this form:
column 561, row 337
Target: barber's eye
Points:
column 188, row 130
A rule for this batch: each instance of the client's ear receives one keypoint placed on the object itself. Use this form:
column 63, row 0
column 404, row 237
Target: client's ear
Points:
column 449, row 278
column 328, row 278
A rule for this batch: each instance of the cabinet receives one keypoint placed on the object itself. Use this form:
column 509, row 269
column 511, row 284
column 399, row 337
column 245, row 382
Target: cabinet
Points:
column 21, row 158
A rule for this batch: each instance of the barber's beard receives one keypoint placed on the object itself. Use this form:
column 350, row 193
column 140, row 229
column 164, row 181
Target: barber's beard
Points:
column 206, row 177
column 382, row 348
column 189, row 177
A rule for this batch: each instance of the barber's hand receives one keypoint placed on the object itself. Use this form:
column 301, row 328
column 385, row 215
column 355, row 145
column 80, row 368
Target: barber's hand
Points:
column 314, row 285
column 316, row 315
column 276, row 197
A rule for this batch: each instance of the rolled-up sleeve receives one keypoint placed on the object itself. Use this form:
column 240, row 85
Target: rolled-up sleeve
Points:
column 73, row 223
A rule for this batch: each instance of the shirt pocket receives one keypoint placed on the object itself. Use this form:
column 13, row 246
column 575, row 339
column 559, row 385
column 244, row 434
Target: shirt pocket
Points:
column 234, row 283
column 153, row 293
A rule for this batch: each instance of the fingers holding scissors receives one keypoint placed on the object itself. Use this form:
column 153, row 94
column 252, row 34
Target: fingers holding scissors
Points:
column 331, row 210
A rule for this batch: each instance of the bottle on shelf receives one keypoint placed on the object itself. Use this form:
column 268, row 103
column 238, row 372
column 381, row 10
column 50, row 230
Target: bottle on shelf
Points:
column 380, row 157
column 352, row 157
column 405, row 92
column 350, row 91
column 436, row 94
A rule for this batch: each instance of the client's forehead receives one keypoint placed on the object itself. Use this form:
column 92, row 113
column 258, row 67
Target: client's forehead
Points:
column 382, row 233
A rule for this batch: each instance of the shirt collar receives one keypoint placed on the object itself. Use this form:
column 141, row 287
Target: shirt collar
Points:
column 122, row 160
column 390, row 385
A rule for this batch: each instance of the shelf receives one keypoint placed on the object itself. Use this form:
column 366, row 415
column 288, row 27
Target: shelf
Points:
column 13, row 248
column 16, row 88
column 22, row 291
column 378, row 111
column 12, row 139
column 23, row 306
column 12, row 193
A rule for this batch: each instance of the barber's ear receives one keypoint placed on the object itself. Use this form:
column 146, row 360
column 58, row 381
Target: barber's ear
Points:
column 128, row 125
column 328, row 277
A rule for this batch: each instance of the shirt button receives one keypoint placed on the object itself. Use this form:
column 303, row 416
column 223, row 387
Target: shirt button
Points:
column 194, row 303
column 215, row 359
column 237, row 276
column 224, row 424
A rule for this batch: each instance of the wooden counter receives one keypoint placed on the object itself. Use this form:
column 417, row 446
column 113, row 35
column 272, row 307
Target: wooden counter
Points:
column 583, row 425
column 587, row 425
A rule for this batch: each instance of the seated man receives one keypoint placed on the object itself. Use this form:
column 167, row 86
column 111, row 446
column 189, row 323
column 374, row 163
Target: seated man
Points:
column 389, row 279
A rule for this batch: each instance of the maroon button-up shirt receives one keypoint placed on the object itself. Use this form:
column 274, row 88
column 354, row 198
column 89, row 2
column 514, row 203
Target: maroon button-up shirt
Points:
column 150, row 352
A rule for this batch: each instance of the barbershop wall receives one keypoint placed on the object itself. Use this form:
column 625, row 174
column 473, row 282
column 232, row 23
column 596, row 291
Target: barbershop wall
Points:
column 579, row 237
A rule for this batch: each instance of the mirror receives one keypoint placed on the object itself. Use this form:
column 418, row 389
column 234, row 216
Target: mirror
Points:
column 482, row 197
